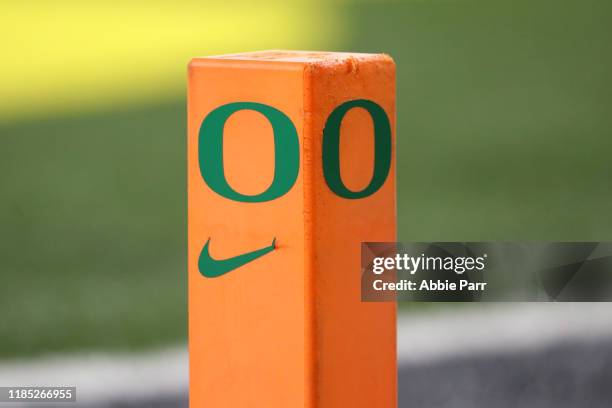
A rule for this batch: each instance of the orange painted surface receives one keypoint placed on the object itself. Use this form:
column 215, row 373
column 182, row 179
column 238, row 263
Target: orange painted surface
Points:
column 289, row 329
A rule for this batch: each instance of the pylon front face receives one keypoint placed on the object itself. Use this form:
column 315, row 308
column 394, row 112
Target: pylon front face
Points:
column 290, row 167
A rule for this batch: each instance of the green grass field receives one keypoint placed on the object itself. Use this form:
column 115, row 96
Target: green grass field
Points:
column 505, row 130
column 505, row 133
column 93, row 242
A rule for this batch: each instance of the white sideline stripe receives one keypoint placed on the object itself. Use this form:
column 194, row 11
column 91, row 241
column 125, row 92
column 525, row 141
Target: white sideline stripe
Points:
column 105, row 377
column 486, row 328
column 422, row 338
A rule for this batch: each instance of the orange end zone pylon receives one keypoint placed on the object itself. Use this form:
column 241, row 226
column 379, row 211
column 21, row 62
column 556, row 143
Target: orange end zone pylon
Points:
column 291, row 165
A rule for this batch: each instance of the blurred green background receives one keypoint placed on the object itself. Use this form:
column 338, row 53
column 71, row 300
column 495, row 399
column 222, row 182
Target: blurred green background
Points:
column 504, row 133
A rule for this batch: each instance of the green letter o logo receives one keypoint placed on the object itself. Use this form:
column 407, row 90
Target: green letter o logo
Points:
column 331, row 148
column 286, row 151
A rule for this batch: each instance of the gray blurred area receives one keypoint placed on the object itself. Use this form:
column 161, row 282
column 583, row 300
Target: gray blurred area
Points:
column 172, row 401
column 567, row 376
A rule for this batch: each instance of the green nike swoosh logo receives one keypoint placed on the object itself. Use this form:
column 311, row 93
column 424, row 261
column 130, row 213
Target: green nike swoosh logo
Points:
column 212, row 268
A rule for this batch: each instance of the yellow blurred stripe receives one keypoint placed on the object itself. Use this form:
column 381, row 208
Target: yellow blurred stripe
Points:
column 75, row 56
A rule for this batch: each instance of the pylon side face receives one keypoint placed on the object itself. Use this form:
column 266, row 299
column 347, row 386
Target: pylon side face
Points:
column 287, row 175
column 355, row 341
